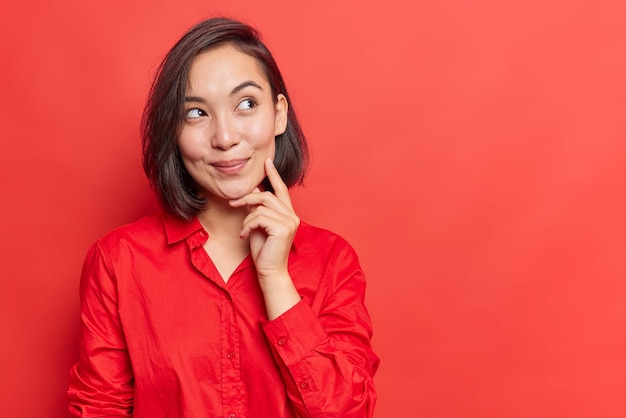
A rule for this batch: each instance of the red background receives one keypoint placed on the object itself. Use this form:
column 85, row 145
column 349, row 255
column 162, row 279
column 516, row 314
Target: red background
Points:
column 473, row 153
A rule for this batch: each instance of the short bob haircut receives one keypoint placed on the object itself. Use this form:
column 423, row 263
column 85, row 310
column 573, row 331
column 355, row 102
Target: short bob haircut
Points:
column 164, row 115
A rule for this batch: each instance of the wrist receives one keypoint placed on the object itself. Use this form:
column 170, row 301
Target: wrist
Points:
column 279, row 294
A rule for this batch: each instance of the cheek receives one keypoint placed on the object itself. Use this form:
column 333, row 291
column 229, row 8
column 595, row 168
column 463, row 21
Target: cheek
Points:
column 262, row 132
column 265, row 144
column 188, row 146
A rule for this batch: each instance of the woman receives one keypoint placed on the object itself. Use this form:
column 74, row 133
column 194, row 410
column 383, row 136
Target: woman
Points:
column 225, row 304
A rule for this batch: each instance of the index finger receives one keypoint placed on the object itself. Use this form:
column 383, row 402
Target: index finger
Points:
column 280, row 188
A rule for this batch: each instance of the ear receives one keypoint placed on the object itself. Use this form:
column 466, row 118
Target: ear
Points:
column 280, row 115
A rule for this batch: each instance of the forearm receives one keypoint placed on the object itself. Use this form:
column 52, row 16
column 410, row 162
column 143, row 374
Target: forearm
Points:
column 326, row 375
column 279, row 294
column 101, row 382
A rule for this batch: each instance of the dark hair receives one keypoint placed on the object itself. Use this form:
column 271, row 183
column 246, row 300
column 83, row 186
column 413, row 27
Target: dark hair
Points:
column 164, row 114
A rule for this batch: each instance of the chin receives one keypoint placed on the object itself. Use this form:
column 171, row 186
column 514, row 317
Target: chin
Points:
column 233, row 193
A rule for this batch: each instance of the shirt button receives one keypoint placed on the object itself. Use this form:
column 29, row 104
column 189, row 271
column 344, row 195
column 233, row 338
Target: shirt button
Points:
column 282, row 341
column 230, row 355
column 232, row 416
column 304, row 384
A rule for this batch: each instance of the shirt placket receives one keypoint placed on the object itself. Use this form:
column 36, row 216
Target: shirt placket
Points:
column 232, row 387
column 233, row 400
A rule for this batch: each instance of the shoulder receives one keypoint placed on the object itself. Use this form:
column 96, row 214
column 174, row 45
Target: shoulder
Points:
column 309, row 235
column 145, row 232
column 320, row 241
column 146, row 226
column 122, row 247
column 325, row 256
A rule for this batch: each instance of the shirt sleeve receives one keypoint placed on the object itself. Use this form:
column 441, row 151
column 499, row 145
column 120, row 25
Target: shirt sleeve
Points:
column 326, row 358
column 101, row 383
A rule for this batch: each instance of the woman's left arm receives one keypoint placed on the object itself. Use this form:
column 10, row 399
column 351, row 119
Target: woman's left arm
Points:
column 325, row 358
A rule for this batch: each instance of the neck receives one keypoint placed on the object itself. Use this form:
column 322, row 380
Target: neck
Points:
column 222, row 220
column 224, row 246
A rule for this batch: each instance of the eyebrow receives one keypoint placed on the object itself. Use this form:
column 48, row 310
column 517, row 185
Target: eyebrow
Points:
column 249, row 83
column 244, row 85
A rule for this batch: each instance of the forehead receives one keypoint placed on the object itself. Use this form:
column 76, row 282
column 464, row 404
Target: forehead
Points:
column 224, row 66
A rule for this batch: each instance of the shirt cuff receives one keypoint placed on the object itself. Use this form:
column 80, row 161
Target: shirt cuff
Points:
column 295, row 333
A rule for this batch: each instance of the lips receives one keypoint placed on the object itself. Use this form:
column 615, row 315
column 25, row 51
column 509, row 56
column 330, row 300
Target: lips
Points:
column 230, row 166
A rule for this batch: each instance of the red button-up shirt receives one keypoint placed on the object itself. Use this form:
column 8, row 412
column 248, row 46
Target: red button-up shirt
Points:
column 162, row 334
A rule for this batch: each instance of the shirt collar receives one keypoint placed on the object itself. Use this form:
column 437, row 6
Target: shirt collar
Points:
column 177, row 229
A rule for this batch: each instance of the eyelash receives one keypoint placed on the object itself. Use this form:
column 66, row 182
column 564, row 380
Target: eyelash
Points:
column 250, row 100
column 251, row 103
column 200, row 113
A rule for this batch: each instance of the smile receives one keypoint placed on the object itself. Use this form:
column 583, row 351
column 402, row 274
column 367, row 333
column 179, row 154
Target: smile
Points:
column 229, row 167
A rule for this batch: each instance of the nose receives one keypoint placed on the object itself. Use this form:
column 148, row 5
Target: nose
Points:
column 225, row 134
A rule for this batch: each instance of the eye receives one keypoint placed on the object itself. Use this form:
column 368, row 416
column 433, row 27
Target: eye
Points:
column 194, row 113
column 246, row 104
